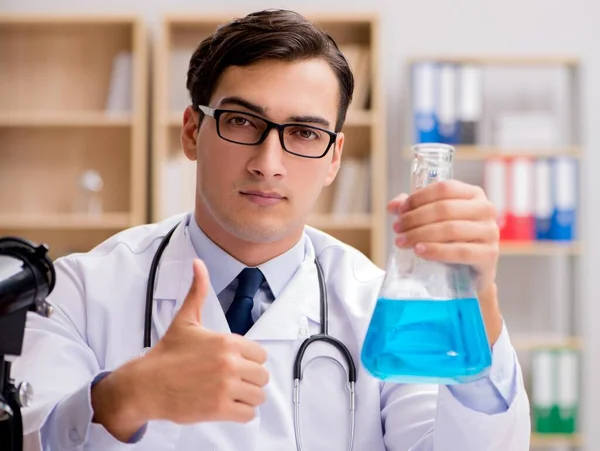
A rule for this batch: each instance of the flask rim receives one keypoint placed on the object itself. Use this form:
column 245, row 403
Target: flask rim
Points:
column 429, row 148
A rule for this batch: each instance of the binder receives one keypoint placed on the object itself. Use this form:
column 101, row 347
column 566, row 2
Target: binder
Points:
column 447, row 105
column 470, row 103
column 543, row 399
column 494, row 180
column 543, row 204
column 564, row 175
column 349, row 182
column 567, row 396
column 519, row 218
column 424, row 100
column 119, row 98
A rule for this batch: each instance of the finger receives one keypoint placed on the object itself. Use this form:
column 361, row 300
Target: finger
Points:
column 395, row 204
column 447, row 232
column 253, row 351
column 445, row 210
column 240, row 412
column 448, row 189
column 464, row 253
column 191, row 308
column 249, row 394
column 253, row 373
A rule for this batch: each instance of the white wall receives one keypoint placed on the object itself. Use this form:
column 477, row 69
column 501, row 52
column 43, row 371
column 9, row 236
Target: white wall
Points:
column 508, row 27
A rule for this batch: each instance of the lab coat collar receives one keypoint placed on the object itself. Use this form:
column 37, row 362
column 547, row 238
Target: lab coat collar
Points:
column 282, row 320
column 173, row 283
column 287, row 317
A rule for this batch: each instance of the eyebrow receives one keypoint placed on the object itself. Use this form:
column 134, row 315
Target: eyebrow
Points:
column 263, row 111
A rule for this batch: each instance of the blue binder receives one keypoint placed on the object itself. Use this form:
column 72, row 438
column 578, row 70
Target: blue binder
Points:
column 564, row 182
column 447, row 104
column 544, row 205
column 424, row 101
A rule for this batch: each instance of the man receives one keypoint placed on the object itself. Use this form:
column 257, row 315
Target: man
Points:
column 203, row 387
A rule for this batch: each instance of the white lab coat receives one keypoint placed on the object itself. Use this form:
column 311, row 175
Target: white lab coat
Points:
column 98, row 325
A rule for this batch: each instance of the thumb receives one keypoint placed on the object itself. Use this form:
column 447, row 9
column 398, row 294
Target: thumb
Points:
column 191, row 309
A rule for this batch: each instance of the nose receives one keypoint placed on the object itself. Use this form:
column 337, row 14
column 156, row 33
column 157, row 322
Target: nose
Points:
column 267, row 162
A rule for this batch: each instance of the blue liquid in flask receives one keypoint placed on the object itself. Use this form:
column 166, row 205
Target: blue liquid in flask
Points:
column 427, row 341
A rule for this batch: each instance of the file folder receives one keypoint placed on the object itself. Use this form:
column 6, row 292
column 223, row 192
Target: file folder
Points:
column 543, row 399
column 567, row 395
column 543, row 199
column 424, row 101
column 564, row 174
column 447, row 104
column 519, row 220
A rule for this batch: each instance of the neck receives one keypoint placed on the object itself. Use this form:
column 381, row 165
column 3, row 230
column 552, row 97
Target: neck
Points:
column 247, row 252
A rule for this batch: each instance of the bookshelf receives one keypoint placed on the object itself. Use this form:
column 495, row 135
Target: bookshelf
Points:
column 544, row 92
column 363, row 227
column 481, row 153
column 72, row 99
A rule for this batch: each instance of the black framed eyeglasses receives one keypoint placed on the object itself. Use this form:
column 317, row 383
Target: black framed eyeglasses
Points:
column 249, row 129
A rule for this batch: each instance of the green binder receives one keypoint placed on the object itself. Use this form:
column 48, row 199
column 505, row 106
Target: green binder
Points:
column 544, row 405
column 567, row 390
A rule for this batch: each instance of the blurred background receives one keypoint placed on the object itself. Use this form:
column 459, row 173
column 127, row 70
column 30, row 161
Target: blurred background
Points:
column 91, row 96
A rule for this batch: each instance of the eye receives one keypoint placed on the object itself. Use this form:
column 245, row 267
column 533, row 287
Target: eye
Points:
column 306, row 133
column 239, row 121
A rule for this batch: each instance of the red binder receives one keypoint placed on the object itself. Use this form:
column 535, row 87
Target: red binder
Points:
column 520, row 225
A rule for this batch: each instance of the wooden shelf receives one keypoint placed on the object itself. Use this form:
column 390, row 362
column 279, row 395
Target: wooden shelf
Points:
column 20, row 19
column 475, row 153
column 359, row 118
column 500, row 60
column 539, row 248
column 64, row 119
column 113, row 221
column 529, row 343
column 338, row 222
column 539, row 440
column 482, row 153
column 193, row 19
column 54, row 125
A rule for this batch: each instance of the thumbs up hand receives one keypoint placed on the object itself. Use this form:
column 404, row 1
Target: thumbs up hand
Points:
column 191, row 375
column 202, row 375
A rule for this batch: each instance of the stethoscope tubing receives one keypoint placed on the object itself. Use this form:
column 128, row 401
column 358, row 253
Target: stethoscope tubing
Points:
column 297, row 371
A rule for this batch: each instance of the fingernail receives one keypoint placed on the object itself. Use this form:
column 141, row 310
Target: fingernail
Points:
column 401, row 239
column 397, row 226
column 420, row 248
column 403, row 207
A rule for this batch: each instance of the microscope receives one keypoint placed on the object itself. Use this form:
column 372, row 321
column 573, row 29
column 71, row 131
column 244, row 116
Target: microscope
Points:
column 27, row 276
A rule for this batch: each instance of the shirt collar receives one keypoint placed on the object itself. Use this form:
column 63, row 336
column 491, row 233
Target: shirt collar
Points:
column 223, row 268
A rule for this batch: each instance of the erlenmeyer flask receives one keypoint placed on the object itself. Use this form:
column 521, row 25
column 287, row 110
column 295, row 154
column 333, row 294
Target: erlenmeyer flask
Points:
column 427, row 325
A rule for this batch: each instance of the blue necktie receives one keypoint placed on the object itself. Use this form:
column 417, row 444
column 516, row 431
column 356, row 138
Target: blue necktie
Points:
column 239, row 315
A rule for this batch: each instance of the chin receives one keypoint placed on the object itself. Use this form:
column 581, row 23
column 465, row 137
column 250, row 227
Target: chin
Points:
column 255, row 230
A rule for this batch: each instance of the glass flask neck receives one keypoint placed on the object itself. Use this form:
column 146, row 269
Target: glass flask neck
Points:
column 431, row 163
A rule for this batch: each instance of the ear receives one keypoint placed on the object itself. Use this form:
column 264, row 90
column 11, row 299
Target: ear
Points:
column 334, row 166
column 189, row 133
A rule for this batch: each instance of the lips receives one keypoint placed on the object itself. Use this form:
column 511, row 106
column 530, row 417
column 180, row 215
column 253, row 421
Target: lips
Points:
column 263, row 198
column 267, row 195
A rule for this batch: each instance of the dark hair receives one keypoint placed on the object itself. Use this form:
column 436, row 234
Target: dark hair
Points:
column 270, row 34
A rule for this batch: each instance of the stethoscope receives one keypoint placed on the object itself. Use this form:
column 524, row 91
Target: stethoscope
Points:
column 322, row 336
